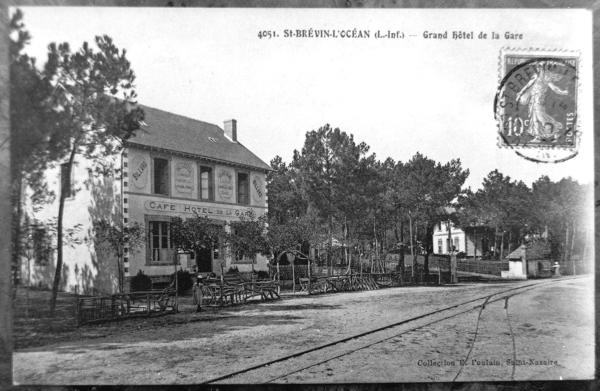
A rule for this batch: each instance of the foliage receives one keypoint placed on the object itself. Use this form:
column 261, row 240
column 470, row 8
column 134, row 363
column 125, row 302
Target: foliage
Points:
column 140, row 282
column 286, row 199
column 291, row 235
column 247, row 237
column 117, row 236
column 36, row 140
column 195, row 233
column 548, row 210
column 93, row 90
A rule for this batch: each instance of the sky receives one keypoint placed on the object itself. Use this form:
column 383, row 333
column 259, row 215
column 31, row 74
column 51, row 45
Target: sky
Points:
column 397, row 95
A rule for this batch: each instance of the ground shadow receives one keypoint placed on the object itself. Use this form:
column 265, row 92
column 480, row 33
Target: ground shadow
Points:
column 102, row 276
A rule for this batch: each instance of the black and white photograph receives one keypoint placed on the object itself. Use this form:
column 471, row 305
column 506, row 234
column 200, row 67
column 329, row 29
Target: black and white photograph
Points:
column 283, row 196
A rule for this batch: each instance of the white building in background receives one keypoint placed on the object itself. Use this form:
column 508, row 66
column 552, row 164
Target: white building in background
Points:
column 472, row 241
column 174, row 166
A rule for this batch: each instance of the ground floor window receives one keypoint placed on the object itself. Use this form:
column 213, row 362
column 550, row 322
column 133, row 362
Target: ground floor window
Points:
column 160, row 241
column 456, row 243
column 42, row 248
column 439, row 246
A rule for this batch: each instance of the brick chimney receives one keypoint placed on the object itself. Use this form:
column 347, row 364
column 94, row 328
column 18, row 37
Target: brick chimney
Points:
column 230, row 128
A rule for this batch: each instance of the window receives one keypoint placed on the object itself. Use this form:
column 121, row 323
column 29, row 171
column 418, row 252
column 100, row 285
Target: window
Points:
column 243, row 189
column 440, row 246
column 41, row 246
column 66, row 180
column 206, row 183
column 456, row 247
column 161, row 176
column 160, row 241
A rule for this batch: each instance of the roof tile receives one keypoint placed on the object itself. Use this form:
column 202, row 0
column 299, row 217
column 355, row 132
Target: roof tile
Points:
column 182, row 134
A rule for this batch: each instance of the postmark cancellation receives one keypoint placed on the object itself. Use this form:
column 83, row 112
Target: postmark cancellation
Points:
column 536, row 103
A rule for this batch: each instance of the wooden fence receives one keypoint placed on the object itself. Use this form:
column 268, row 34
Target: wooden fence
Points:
column 96, row 309
column 482, row 267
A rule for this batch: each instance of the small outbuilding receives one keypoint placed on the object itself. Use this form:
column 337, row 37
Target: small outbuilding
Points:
column 529, row 261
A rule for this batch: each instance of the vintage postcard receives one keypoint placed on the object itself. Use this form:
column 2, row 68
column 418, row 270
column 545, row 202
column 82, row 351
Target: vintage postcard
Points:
column 273, row 196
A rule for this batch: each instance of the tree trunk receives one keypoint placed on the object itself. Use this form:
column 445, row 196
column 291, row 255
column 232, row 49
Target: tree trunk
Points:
column 565, row 247
column 330, row 227
column 278, row 276
column 495, row 241
column 293, row 277
column 502, row 244
column 120, row 272
column 573, row 230
column 449, row 229
column 309, row 272
column 401, row 263
column 16, row 242
column 346, row 244
column 475, row 244
column 59, row 233
column 412, row 247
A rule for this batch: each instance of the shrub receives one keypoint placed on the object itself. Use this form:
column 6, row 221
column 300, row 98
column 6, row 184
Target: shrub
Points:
column 184, row 281
column 140, row 282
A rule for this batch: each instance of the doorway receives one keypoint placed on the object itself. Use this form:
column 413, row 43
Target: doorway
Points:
column 204, row 260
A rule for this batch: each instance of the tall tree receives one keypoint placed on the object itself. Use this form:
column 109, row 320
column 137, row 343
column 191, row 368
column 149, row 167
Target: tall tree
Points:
column 431, row 188
column 35, row 139
column 329, row 167
column 286, row 198
column 94, row 90
column 502, row 204
column 559, row 211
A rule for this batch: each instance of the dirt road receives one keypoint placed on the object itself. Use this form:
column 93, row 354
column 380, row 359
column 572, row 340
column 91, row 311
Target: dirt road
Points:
column 555, row 322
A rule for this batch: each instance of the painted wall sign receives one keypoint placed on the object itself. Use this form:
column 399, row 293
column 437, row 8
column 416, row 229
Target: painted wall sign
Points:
column 139, row 169
column 184, row 178
column 225, row 184
column 257, row 189
column 185, row 208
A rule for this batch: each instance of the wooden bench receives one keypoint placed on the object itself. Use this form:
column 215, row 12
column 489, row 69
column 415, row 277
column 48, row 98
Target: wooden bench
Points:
column 232, row 289
column 266, row 289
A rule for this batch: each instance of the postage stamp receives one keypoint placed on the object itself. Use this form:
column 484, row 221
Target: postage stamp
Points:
column 536, row 103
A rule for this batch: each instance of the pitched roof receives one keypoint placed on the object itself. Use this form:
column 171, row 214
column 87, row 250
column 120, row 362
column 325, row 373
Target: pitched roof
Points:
column 534, row 250
column 182, row 134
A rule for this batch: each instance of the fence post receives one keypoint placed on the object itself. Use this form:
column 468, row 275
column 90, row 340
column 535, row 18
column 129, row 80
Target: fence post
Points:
column 453, row 265
column 309, row 276
column 77, row 310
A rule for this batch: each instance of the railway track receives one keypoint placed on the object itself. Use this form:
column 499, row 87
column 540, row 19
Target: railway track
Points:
column 303, row 360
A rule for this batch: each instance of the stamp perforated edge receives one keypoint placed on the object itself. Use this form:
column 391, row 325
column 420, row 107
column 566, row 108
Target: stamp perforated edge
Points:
column 540, row 52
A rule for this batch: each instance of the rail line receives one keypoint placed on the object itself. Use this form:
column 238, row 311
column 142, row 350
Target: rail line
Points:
column 487, row 299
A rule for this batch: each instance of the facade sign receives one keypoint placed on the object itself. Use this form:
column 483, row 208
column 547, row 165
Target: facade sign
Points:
column 257, row 189
column 185, row 208
column 225, row 184
column 184, row 178
column 139, row 169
